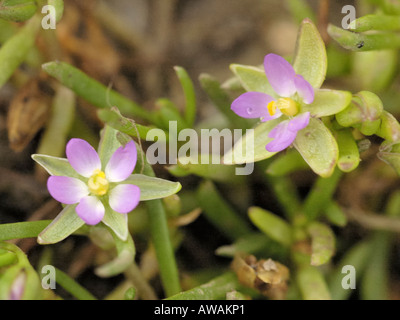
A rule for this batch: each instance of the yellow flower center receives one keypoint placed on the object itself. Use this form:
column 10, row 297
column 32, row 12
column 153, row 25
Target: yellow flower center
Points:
column 98, row 184
column 287, row 106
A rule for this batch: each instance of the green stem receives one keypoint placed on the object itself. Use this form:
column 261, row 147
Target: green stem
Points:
column 214, row 290
column 162, row 241
column 71, row 286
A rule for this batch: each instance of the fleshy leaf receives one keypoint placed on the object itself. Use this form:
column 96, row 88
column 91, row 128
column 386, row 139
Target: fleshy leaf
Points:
column 153, row 188
column 328, row 102
column 318, row 147
column 251, row 147
column 273, row 226
column 389, row 128
column 349, row 155
column 253, row 79
column 117, row 222
column 322, row 243
column 56, row 166
column 66, row 223
column 310, row 59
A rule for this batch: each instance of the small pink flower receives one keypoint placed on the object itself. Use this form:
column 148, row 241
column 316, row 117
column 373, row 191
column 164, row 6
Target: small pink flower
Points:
column 292, row 89
column 97, row 185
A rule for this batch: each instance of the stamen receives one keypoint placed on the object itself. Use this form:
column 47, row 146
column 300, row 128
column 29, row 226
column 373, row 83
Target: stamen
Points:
column 288, row 106
column 272, row 108
column 98, row 184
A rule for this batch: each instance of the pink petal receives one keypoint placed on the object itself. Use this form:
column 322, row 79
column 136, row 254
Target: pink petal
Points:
column 280, row 74
column 299, row 122
column 124, row 198
column 122, row 163
column 252, row 105
column 67, row 190
column 82, row 157
column 283, row 137
column 304, row 89
column 91, row 210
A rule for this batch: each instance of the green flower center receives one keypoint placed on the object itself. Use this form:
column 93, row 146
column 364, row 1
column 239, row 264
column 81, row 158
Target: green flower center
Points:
column 98, row 184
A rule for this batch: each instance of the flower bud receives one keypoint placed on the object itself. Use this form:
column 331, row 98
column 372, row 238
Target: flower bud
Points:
column 365, row 106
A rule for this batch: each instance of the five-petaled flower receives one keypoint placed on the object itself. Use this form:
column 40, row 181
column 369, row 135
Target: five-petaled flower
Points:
column 292, row 91
column 94, row 187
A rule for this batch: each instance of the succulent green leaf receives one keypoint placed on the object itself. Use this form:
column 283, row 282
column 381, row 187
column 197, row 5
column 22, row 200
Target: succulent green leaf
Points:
column 364, row 42
column 273, row 226
column 349, row 155
column 55, row 166
column 252, row 78
column 153, row 188
column 288, row 162
column 318, row 147
column 328, row 102
column 117, row 222
column 389, row 127
column 310, row 58
column 66, row 223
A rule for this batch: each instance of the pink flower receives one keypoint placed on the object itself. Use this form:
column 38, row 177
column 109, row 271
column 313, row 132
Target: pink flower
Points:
column 97, row 186
column 293, row 91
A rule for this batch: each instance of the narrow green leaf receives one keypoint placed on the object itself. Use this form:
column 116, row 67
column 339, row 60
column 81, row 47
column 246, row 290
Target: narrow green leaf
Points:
column 273, row 226
column 322, row 243
column 220, row 213
column 93, row 91
column 168, row 112
column 252, row 78
column 310, row 58
column 55, row 166
column 349, row 155
column 312, row 284
column 251, row 147
column 364, row 42
column 190, row 95
column 318, row 147
column 66, row 223
column 328, row 102
column 15, row 50
column 377, row 22
column 22, row 230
